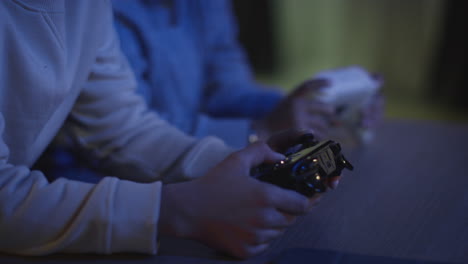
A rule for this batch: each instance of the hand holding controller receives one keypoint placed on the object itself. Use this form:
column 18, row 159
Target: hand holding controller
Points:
column 355, row 95
column 307, row 166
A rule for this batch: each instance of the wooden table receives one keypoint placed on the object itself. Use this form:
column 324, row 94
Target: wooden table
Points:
column 407, row 198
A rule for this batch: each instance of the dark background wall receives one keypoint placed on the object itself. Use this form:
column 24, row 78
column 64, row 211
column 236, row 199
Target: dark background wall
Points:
column 451, row 65
column 257, row 32
column 420, row 47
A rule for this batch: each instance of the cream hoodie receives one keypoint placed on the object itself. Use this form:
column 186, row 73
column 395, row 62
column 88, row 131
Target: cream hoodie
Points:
column 61, row 58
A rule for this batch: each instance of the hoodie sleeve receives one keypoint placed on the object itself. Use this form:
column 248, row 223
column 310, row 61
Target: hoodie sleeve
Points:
column 38, row 217
column 113, row 125
column 114, row 215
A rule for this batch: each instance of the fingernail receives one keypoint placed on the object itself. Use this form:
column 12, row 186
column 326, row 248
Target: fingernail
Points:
column 280, row 156
column 334, row 184
column 317, row 200
column 314, row 203
column 303, row 131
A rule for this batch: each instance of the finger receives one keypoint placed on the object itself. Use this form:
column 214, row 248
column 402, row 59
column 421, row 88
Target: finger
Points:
column 258, row 153
column 320, row 108
column 314, row 200
column 373, row 112
column 370, row 121
column 264, row 236
column 271, row 218
column 287, row 201
column 284, row 140
column 252, row 250
column 310, row 86
column 333, row 182
column 317, row 124
column 320, row 135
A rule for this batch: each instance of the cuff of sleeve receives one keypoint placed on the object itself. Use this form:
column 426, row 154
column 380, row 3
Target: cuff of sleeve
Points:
column 135, row 217
column 206, row 154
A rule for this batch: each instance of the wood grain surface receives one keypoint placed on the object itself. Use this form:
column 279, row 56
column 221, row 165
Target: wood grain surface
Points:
column 407, row 198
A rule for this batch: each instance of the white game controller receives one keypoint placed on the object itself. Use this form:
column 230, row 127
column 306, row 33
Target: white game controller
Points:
column 350, row 90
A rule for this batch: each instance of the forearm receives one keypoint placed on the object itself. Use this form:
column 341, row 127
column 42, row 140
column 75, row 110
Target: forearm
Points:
column 40, row 218
column 233, row 131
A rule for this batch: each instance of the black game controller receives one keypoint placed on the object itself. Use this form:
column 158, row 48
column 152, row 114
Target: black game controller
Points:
column 307, row 167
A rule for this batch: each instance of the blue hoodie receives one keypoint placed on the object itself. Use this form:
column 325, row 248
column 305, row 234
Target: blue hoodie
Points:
column 190, row 67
